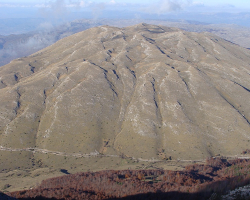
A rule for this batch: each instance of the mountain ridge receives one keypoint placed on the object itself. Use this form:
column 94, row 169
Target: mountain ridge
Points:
column 15, row 46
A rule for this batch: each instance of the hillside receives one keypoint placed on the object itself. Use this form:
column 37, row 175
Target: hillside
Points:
column 145, row 92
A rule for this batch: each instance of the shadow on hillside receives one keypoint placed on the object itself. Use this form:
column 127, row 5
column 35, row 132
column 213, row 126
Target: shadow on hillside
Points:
column 39, row 198
column 215, row 189
column 205, row 192
column 65, row 171
column 148, row 196
column 167, row 195
column 6, row 197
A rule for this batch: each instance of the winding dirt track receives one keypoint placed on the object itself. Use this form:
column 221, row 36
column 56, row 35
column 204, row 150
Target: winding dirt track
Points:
column 46, row 151
column 97, row 154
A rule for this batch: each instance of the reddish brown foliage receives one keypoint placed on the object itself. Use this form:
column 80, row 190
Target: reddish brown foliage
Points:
column 196, row 182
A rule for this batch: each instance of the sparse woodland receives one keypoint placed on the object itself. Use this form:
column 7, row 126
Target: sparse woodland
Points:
column 198, row 181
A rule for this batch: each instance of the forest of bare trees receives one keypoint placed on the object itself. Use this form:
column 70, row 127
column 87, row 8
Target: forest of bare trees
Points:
column 198, row 181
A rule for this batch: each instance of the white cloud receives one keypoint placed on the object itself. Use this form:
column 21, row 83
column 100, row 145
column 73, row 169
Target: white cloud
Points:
column 169, row 6
column 198, row 3
column 112, row 2
column 82, row 4
column 45, row 26
column 165, row 6
column 50, row 4
column 97, row 10
column 41, row 6
column 13, row 5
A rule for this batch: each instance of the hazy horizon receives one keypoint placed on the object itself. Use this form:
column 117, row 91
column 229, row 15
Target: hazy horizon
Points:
column 56, row 12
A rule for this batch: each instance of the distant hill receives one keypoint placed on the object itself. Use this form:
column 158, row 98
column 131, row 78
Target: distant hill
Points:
column 20, row 45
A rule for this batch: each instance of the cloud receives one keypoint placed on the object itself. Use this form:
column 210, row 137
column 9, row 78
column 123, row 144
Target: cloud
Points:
column 11, row 5
column 60, row 8
column 41, row 6
column 49, row 4
column 198, row 3
column 23, row 48
column 166, row 6
column 45, row 26
column 82, row 4
column 97, row 9
column 169, row 6
column 76, row 4
column 53, row 9
column 46, row 35
column 112, row 2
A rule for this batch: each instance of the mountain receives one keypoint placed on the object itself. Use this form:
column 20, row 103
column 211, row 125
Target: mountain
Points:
column 144, row 92
column 19, row 45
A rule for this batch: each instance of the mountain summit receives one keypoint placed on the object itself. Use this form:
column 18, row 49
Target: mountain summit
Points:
column 147, row 92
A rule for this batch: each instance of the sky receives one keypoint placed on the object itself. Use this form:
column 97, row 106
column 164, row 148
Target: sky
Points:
column 236, row 3
column 205, row 11
column 24, row 16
